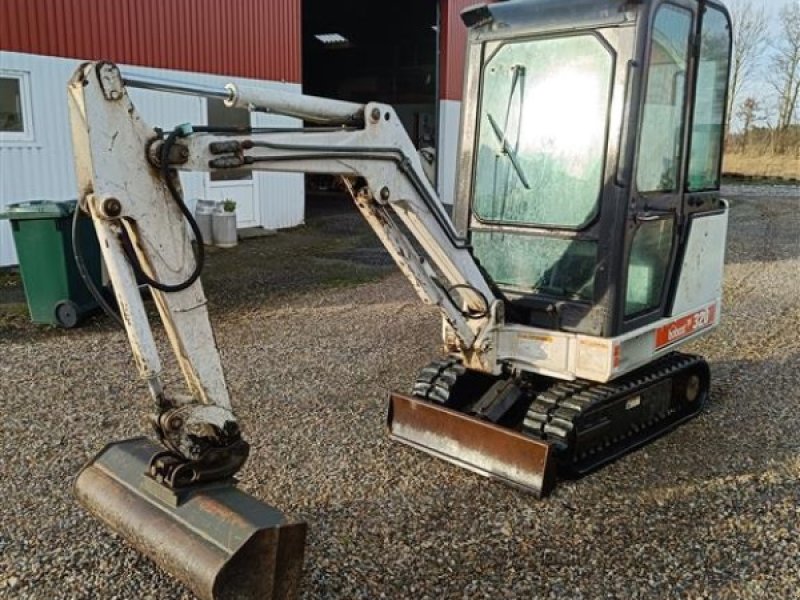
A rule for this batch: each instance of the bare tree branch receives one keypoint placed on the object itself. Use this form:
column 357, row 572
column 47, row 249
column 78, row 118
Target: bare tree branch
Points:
column 749, row 39
column 784, row 72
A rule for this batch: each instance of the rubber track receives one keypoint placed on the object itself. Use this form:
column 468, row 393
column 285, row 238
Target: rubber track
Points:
column 435, row 381
column 557, row 413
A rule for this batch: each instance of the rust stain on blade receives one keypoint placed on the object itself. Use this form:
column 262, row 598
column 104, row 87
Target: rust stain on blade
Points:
column 480, row 446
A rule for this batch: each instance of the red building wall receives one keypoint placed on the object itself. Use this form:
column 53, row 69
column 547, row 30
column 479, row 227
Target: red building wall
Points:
column 259, row 39
column 453, row 45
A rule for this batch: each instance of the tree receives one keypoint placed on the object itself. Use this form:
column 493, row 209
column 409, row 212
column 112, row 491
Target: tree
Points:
column 749, row 38
column 748, row 113
column 784, row 74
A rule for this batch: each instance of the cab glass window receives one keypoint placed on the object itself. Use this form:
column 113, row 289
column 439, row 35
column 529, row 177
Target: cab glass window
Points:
column 531, row 263
column 648, row 265
column 662, row 122
column 542, row 131
column 709, row 106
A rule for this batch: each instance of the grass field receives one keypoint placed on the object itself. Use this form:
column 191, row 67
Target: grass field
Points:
column 779, row 166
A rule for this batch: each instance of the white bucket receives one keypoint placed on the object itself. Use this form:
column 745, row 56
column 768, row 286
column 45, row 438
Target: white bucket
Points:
column 203, row 212
column 223, row 226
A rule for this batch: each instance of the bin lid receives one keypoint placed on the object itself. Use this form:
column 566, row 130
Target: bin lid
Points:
column 39, row 209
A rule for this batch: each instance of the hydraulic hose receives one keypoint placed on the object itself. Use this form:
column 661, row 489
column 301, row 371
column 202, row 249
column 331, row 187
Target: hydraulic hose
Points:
column 127, row 245
column 394, row 155
column 84, row 273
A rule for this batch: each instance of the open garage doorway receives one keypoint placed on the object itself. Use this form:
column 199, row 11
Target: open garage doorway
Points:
column 375, row 50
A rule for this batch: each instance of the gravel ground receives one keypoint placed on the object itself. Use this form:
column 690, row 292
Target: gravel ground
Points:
column 710, row 511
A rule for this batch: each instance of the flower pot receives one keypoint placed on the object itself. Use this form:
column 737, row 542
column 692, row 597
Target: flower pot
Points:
column 223, row 225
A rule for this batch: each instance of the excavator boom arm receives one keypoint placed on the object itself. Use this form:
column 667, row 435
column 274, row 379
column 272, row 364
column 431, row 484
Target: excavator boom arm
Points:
column 127, row 173
column 397, row 192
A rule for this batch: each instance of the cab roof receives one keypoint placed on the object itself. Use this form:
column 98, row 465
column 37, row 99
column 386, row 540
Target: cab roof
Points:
column 544, row 15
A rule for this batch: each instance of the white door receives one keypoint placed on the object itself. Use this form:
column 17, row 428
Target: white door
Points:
column 243, row 192
column 238, row 185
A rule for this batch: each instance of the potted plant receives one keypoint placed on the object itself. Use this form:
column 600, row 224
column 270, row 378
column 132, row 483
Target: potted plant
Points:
column 224, row 225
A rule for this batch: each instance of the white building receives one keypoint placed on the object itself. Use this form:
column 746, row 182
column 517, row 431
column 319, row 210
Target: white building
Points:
column 36, row 163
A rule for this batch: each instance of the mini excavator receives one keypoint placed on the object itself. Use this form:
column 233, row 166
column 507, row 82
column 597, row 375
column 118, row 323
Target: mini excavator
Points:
column 586, row 247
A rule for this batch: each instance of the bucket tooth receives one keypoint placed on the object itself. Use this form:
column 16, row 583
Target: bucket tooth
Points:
column 219, row 541
column 478, row 445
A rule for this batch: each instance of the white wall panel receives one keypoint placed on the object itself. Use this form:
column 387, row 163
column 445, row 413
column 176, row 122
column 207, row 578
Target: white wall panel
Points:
column 43, row 169
column 449, row 123
column 282, row 195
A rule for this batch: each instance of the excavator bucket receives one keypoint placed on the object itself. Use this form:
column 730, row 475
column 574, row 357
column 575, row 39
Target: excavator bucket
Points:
column 478, row 445
column 219, row 541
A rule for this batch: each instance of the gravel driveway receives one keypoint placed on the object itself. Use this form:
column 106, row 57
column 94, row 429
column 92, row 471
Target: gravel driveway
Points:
column 310, row 350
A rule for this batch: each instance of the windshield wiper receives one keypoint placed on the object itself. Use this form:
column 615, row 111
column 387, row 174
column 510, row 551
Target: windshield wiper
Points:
column 508, row 151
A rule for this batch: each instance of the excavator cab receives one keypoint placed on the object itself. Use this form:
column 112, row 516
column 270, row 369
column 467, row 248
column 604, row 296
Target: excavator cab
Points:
column 589, row 189
column 591, row 148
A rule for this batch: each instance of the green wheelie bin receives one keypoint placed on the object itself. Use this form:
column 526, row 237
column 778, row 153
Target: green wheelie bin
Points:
column 54, row 288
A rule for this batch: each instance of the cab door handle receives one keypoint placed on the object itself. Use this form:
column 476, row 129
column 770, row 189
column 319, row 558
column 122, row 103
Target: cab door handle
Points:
column 653, row 215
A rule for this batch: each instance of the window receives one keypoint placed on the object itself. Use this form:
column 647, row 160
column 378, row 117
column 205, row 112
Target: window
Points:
column 551, row 266
column 709, row 106
column 220, row 115
column 647, row 268
column 542, row 132
column 662, row 123
column 15, row 111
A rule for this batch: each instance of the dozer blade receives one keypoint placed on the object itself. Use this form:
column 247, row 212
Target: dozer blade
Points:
column 477, row 445
column 219, row 541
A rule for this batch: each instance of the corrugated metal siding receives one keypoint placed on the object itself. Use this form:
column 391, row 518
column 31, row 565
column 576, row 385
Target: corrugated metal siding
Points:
column 281, row 195
column 257, row 39
column 44, row 169
column 453, row 45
